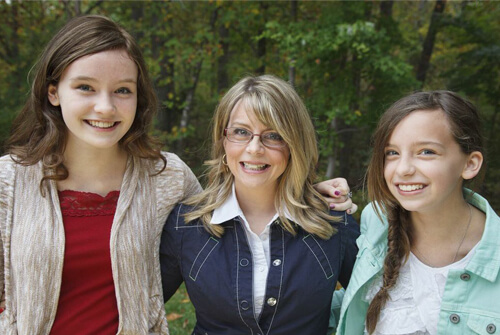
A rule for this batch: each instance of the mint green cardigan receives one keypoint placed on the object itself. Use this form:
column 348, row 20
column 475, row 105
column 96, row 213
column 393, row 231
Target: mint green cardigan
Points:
column 471, row 299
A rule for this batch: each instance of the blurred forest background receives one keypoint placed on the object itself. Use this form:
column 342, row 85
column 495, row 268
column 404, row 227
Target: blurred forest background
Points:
column 349, row 60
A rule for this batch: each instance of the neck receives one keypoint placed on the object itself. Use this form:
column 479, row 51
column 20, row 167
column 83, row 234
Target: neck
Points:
column 444, row 236
column 441, row 224
column 258, row 207
column 96, row 171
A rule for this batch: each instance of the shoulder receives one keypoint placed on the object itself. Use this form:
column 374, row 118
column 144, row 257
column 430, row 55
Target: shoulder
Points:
column 373, row 228
column 6, row 161
column 174, row 174
column 346, row 222
column 7, row 169
column 174, row 162
column 370, row 221
column 176, row 219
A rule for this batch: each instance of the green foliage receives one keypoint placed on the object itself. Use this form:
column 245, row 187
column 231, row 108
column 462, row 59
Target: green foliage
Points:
column 350, row 61
column 180, row 313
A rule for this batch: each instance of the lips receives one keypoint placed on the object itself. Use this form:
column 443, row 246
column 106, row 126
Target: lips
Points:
column 101, row 124
column 254, row 167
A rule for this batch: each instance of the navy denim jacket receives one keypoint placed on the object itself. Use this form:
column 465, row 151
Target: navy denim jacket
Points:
column 302, row 276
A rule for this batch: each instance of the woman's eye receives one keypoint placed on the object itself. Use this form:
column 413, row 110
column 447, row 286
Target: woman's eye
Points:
column 84, row 88
column 391, row 153
column 241, row 132
column 427, row 152
column 123, row 90
column 273, row 136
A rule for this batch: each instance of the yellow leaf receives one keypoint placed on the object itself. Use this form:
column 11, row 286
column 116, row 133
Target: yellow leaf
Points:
column 174, row 316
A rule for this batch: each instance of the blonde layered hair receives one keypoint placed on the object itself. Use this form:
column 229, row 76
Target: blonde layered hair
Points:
column 277, row 106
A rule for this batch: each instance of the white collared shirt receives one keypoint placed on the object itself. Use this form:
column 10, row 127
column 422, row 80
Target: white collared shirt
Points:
column 259, row 245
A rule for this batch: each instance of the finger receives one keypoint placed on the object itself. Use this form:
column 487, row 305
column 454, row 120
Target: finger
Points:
column 353, row 209
column 342, row 206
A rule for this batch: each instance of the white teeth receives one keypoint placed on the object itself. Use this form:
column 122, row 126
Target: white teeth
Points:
column 410, row 187
column 101, row 124
column 254, row 167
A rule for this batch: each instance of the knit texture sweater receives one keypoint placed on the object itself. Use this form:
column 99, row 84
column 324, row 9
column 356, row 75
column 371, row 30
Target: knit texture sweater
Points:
column 32, row 245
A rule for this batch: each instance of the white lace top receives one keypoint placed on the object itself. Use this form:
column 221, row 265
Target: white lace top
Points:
column 414, row 303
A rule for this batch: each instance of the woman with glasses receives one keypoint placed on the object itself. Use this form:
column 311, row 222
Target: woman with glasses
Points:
column 259, row 250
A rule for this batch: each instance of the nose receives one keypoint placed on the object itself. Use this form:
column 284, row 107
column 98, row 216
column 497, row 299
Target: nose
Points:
column 405, row 166
column 255, row 146
column 104, row 104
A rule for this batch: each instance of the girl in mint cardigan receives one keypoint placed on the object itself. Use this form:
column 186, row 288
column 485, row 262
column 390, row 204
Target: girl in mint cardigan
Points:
column 429, row 259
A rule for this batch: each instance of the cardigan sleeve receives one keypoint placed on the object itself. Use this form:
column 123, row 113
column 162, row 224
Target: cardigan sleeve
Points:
column 6, row 195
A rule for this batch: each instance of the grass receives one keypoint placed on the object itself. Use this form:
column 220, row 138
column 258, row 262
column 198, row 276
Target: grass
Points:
column 180, row 313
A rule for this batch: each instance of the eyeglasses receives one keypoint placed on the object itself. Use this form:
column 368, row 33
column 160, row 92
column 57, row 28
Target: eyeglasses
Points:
column 270, row 139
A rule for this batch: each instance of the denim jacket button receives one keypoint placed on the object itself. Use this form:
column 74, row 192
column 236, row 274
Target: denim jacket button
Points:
column 244, row 305
column 277, row 262
column 244, row 262
column 454, row 318
column 271, row 301
column 465, row 276
column 491, row 328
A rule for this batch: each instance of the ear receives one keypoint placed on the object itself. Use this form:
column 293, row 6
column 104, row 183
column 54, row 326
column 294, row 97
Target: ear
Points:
column 53, row 96
column 472, row 165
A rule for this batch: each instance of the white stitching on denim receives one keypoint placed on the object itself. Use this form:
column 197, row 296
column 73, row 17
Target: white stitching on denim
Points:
column 201, row 265
column 321, row 265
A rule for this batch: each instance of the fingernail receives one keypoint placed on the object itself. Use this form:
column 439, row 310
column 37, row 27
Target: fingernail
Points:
column 337, row 192
column 332, row 206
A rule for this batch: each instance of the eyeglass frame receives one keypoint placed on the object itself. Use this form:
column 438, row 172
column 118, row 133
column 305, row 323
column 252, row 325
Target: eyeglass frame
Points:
column 251, row 138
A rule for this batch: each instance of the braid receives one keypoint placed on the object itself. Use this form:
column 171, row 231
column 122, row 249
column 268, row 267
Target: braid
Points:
column 398, row 249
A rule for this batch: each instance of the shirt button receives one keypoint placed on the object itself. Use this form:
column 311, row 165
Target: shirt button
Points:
column 454, row 318
column 271, row 302
column 244, row 262
column 465, row 276
column 244, row 305
column 261, row 269
column 491, row 328
column 277, row 262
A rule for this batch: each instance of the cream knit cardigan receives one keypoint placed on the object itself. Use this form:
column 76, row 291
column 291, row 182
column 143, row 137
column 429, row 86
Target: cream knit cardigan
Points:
column 32, row 245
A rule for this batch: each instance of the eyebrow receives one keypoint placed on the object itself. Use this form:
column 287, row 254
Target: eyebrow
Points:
column 423, row 143
column 91, row 79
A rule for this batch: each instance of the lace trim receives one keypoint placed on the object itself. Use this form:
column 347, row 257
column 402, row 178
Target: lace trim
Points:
column 76, row 203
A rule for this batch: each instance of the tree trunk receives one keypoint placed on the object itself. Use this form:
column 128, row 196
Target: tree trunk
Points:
column 261, row 44
column 222, row 61
column 428, row 46
column 291, row 66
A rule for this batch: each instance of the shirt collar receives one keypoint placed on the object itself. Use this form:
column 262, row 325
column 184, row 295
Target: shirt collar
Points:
column 486, row 260
column 230, row 209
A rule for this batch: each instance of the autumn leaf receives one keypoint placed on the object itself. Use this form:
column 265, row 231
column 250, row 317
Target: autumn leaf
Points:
column 174, row 316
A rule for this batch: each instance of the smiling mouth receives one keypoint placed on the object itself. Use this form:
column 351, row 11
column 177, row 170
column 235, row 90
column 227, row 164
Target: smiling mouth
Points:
column 255, row 167
column 101, row 124
column 409, row 188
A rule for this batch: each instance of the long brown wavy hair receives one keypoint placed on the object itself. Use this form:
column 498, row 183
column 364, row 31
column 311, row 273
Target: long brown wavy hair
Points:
column 39, row 132
column 466, row 130
column 277, row 105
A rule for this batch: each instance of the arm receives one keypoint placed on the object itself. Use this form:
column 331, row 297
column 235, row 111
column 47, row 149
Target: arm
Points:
column 337, row 298
column 2, row 277
column 171, row 275
column 336, row 192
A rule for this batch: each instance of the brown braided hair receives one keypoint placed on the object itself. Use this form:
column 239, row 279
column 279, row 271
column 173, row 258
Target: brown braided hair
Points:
column 465, row 125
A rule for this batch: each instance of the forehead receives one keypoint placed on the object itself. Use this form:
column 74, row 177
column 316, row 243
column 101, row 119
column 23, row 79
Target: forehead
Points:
column 243, row 113
column 110, row 62
column 422, row 126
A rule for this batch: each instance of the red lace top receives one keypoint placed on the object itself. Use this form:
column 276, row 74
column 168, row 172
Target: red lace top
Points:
column 87, row 302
